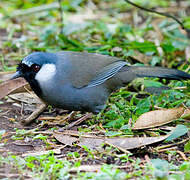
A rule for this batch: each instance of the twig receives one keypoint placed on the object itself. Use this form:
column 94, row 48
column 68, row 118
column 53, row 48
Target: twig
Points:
column 35, row 114
column 69, row 117
column 167, row 149
column 118, row 147
column 56, row 151
column 162, row 14
column 14, row 176
column 87, row 116
column 60, row 121
column 4, row 113
column 156, row 12
column 182, row 155
column 170, row 145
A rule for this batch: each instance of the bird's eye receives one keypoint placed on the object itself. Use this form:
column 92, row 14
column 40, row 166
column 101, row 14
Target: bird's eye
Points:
column 36, row 68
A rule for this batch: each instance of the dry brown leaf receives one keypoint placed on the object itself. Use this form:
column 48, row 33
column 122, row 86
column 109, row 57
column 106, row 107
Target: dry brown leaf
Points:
column 136, row 142
column 158, row 118
column 141, row 57
column 92, row 168
column 94, row 142
column 13, row 86
column 65, row 139
column 86, row 168
column 26, row 98
column 38, row 153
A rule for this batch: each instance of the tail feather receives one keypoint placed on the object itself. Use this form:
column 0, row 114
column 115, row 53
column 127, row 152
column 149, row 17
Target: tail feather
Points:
column 161, row 72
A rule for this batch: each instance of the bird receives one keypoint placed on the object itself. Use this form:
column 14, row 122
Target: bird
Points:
column 82, row 81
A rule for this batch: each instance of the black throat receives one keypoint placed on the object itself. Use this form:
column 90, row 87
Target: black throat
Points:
column 35, row 86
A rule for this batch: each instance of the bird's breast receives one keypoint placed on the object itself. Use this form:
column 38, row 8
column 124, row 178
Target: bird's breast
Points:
column 67, row 97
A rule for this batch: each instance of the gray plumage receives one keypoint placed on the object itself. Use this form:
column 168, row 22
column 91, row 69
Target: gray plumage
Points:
column 84, row 81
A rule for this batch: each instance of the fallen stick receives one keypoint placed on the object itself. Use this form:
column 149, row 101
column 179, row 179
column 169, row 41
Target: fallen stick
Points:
column 85, row 117
column 34, row 115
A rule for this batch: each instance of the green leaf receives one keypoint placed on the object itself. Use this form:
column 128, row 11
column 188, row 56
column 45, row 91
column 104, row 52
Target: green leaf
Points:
column 145, row 46
column 143, row 106
column 40, row 136
column 151, row 83
column 187, row 146
column 113, row 133
column 161, row 168
column 185, row 166
column 180, row 130
column 155, row 60
column 168, row 47
column 116, row 123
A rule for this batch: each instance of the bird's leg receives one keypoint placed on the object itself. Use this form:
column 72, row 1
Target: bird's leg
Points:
column 80, row 120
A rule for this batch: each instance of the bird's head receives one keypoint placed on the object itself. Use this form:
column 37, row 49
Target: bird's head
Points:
column 38, row 65
column 37, row 68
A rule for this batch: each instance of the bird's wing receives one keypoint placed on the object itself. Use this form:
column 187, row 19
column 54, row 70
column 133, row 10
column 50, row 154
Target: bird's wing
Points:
column 106, row 73
column 88, row 69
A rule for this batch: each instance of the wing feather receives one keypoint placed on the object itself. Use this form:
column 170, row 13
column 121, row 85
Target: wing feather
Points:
column 107, row 73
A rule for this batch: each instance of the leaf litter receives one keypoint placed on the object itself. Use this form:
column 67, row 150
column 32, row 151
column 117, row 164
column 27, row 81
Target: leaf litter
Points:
column 158, row 117
column 147, row 120
column 75, row 142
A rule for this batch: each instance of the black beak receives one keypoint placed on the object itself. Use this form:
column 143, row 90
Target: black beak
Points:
column 17, row 74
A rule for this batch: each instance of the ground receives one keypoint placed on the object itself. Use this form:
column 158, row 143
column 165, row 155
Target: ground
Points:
column 47, row 148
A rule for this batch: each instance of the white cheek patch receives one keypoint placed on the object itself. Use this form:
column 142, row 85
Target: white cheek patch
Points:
column 46, row 72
